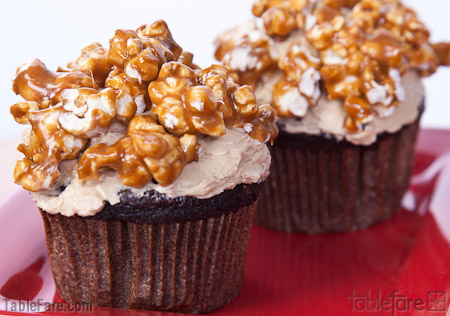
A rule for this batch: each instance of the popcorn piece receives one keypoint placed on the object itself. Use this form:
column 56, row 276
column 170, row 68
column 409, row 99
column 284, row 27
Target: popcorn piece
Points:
column 238, row 105
column 34, row 82
column 339, row 81
column 156, row 37
column 93, row 61
column 328, row 23
column 146, row 152
column 359, row 113
column 442, row 50
column 261, row 6
column 130, row 95
column 414, row 31
column 190, row 146
column 263, row 126
column 246, row 52
column 216, row 77
column 122, row 45
column 280, row 17
column 137, row 57
column 89, row 112
column 385, row 49
column 143, row 67
column 288, row 100
column 279, row 21
column 424, row 60
column 297, row 61
column 49, row 144
column 160, row 41
column 298, row 89
column 367, row 13
column 245, row 101
column 181, row 105
column 20, row 111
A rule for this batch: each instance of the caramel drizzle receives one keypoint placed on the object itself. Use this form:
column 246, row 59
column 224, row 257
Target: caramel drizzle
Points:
column 376, row 40
column 143, row 69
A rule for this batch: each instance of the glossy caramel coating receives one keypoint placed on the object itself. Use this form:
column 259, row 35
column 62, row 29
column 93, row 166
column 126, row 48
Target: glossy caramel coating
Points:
column 443, row 52
column 238, row 105
column 280, row 17
column 70, row 109
column 181, row 105
column 93, row 61
column 363, row 48
column 207, row 102
column 48, row 145
column 297, row 65
column 259, row 52
column 146, row 152
column 35, row 82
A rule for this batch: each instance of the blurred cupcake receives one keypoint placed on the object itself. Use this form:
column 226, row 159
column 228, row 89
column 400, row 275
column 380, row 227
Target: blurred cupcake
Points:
column 146, row 170
column 345, row 79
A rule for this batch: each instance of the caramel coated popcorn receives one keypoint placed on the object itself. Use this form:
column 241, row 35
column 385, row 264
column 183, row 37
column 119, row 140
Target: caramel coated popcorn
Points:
column 146, row 84
column 246, row 52
column 354, row 50
column 182, row 106
column 300, row 78
column 48, row 145
column 443, row 52
column 146, row 152
column 280, row 17
column 93, row 61
column 207, row 102
column 88, row 112
column 238, row 105
column 35, row 82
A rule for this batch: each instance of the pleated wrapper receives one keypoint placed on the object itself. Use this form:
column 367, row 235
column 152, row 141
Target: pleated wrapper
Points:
column 320, row 185
column 190, row 266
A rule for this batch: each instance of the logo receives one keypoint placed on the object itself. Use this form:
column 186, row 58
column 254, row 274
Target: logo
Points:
column 39, row 305
column 437, row 301
column 396, row 302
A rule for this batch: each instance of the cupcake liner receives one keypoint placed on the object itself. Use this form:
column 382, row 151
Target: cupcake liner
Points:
column 319, row 185
column 193, row 266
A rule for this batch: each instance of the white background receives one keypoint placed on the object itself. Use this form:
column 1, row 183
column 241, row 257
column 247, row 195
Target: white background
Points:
column 55, row 31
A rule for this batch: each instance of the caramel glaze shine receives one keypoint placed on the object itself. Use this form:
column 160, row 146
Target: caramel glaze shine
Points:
column 149, row 86
column 35, row 82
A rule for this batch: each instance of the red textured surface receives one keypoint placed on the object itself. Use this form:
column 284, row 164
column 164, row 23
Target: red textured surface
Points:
column 14, row 287
column 407, row 258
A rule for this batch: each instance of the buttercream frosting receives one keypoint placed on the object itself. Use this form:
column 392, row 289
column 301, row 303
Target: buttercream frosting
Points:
column 224, row 162
column 327, row 117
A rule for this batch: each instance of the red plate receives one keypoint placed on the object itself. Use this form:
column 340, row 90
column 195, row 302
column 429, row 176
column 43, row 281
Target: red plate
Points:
column 401, row 267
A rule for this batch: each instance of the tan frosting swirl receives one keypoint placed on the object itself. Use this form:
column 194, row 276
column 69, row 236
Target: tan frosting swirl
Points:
column 223, row 163
column 329, row 115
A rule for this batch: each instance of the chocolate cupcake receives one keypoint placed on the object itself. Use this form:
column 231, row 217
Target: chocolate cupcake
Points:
column 146, row 170
column 345, row 79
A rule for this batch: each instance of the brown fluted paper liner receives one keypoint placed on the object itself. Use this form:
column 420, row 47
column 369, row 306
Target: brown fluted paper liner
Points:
column 319, row 185
column 194, row 267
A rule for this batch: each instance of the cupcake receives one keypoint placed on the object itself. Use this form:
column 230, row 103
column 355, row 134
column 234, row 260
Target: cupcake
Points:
column 146, row 170
column 345, row 79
